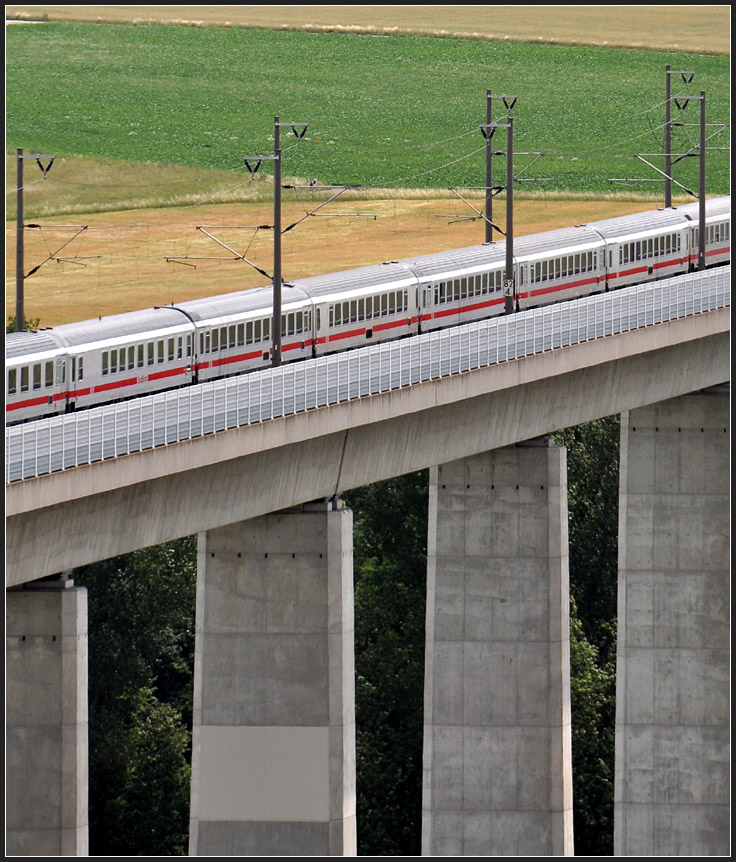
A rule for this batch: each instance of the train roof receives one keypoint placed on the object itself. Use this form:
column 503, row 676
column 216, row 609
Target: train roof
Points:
column 714, row 207
column 479, row 256
column 113, row 326
column 639, row 223
column 30, row 343
column 241, row 301
column 381, row 276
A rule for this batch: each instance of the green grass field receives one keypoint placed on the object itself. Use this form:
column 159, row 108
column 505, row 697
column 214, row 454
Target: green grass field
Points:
column 399, row 111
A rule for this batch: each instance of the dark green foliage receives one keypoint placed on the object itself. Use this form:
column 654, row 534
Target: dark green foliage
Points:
column 29, row 324
column 139, row 780
column 593, row 473
column 390, row 539
column 141, row 647
column 593, row 706
column 402, row 111
column 593, row 483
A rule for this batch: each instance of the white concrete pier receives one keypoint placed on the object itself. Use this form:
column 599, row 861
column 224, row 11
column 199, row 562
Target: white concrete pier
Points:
column 273, row 767
column 498, row 773
column 46, row 720
column 672, row 785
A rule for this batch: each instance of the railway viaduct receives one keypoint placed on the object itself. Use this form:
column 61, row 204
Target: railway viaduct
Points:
column 273, row 761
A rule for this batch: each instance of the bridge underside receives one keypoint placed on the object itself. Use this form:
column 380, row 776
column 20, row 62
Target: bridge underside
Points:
column 119, row 506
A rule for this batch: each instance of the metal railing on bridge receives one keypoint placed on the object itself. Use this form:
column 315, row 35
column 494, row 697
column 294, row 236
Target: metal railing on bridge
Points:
column 65, row 442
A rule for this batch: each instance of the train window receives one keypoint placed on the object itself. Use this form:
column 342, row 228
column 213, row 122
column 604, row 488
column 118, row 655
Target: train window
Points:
column 113, row 361
column 189, row 345
column 223, row 338
column 49, row 374
column 12, row 379
column 300, row 321
column 80, row 369
column 257, row 330
column 361, row 309
column 179, row 347
column 391, row 303
column 353, row 311
column 241, row 334
column 231, row 335
column 140, row 356
column 24, row 379
column 36, row 376
column 150, row 353
column 160, row 351
column 368, row 307
column 104, row 363
column 249, row 332
column 345, row 312
column 131, row 357
column 266, row 328
column 215, row 339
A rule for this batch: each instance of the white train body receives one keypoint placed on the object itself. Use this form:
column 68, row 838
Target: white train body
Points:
column 79, row 365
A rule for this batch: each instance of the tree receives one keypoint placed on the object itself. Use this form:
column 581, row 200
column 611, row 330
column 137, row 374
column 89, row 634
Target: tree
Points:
column 29, row 324
column 593, row 482
column 390, row 539
column 141, row 648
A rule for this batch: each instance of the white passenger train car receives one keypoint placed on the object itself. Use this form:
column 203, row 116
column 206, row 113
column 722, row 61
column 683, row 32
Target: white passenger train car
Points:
column 83, row 364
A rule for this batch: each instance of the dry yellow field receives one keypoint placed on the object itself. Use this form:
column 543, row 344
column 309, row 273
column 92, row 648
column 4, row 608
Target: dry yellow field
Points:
column 681, row 28
column 137, row 259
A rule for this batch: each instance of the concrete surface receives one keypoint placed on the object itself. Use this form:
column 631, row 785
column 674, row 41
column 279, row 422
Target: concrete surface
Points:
column 497, row 735
column 672, row 788
column 326, row 452
column 46, row 726
column 273, row 770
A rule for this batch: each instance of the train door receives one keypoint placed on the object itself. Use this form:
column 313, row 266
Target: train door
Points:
column 60, row 385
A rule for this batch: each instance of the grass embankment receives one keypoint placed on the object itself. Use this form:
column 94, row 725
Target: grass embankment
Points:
column 160, row 119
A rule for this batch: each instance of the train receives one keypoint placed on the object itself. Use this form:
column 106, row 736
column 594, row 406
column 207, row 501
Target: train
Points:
column 74, row 366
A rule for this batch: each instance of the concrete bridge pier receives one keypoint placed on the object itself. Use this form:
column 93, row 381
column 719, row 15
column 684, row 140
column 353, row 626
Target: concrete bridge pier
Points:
column 46, row 719
column 497, row 742
column 273, row 761
column 672, row 703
